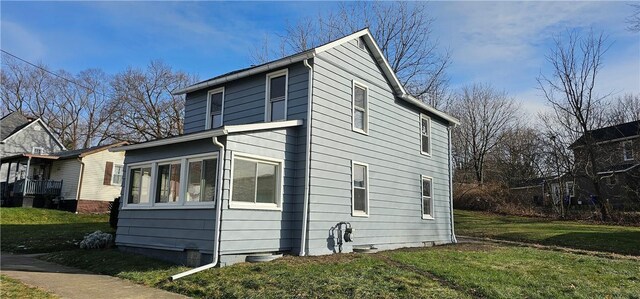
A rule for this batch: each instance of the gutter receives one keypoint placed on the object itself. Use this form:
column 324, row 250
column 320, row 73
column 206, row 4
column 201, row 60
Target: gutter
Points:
column 307, row 164
column 453, row 233
column 416, row 102
column 218, row 225
column 79, row 182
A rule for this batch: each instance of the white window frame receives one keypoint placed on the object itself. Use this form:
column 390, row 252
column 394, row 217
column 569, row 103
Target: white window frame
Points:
column 426, row 216
column 181, row 203
column 355, row 83
column 267, row 100
column 570, row 191
column 208, row 121
column 33, row 150
column 186, row 182
column 113, row 173
column 367, row 211
column 424, row 116
column 180, row 188
column 624, row 150
column 279, row 184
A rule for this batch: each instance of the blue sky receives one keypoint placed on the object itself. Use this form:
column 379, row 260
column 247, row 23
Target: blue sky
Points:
column 501, row 43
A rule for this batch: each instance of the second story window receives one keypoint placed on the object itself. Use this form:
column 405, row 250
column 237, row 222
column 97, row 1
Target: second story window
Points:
column 360, row 108
column 425, row 135
column 276, row 96
column 215, row 107
column 37, row 150
column 627, row 150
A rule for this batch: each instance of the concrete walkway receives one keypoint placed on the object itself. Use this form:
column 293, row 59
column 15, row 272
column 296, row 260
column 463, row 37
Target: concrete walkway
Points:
column 72, row 283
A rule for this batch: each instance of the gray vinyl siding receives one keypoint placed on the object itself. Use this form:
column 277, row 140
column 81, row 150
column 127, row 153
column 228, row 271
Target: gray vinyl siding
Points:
column 168, row 229
column 28, row 138
column 246, row 231
column 391, row 149
column 244, row 100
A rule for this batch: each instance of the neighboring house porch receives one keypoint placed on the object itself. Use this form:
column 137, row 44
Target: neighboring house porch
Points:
column 27, row 182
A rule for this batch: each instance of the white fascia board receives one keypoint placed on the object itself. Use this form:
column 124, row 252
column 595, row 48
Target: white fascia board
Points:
column 265, row 68
column 210, row 133
column 430, row 109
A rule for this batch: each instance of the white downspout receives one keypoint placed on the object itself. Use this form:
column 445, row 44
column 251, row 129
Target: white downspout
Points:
column 453, row 233
column 216, row 238
column 307, row 166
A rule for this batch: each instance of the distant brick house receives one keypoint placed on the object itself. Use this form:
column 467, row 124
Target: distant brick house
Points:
column 617, row 164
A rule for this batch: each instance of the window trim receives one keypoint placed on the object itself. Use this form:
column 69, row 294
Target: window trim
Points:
column 113, row 173
column 426, row 216
column 184, row 193
column 572, row 192
column 624, row 153
column 208, row 120
column 181, row 203
column 33, row 149
column 367, row 212
column 279, row 184
column 267, row 100
column 355, row 83
column 424, row 116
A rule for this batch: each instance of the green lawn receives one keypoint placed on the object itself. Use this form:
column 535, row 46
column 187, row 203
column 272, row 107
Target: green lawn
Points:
column 14, row 289
column 453, row 271
column 608, row 238
column 29, row 230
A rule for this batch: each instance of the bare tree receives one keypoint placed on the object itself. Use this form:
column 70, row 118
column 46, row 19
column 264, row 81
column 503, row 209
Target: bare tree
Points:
column 146, row 109
column 486, row 115
column 625, row 108
column 633, row 21
column 518, row 157
column 575, row 62
column 404, row 34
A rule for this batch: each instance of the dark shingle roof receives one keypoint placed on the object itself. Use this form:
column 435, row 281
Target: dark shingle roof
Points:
column 610, row 133
column 79, row 152
column 12, row 123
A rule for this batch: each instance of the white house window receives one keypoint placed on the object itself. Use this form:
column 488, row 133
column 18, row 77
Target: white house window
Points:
column 116, row 174
column 201, row 180
column 425, row 135
column 168, row 182
column 215, row 107
column 627, row 150
column 139, row 185
column 569, row 189
column 37, row 150
column 427, row 197
column 360, row 186
column 276, row 96
column 360, row 108
column 257, row 182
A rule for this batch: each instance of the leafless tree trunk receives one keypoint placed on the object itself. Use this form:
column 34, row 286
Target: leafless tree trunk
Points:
column 575, row 61
column 402, row 30
column 518, row 157
column 486, row 114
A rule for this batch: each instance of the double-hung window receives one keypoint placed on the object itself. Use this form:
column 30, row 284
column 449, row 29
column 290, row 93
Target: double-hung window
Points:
column 139, row 185
column 360, row 110
column 257, row 182
column 201, row 180
column 627, row 150
column 276, row 96
column 425, row 135
column 569, row 188
column 37, row 150
column 168, row 182
column 215, row 107
column 359, row 189
column 116, row 174
column 427, row 197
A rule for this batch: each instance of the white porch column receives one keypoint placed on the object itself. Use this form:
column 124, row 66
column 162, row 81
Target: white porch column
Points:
column 26, row 177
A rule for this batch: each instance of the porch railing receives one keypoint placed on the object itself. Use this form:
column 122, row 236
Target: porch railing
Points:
column 39, row 187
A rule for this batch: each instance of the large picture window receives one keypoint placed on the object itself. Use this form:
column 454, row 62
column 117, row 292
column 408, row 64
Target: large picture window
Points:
column 360, row 186
column 168, row 183
column 201, row 180
column 425, row 135
column 139, row 185
column 360, row 108
column 215, row 106
column 256, row 182
column 427, row 197
column 276, row 97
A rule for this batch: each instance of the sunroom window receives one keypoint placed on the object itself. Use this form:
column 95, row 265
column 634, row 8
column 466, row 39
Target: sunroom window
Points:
column 168, row 183
column 139, row 185
column 201, row 180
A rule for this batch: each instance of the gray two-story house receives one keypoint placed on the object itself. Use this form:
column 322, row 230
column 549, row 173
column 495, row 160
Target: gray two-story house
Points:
column 274, row 158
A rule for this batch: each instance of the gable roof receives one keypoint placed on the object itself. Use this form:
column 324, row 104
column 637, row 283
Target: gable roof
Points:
column 366, row 36
column 620, row 131
column 79, row 153
column 12, row 123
